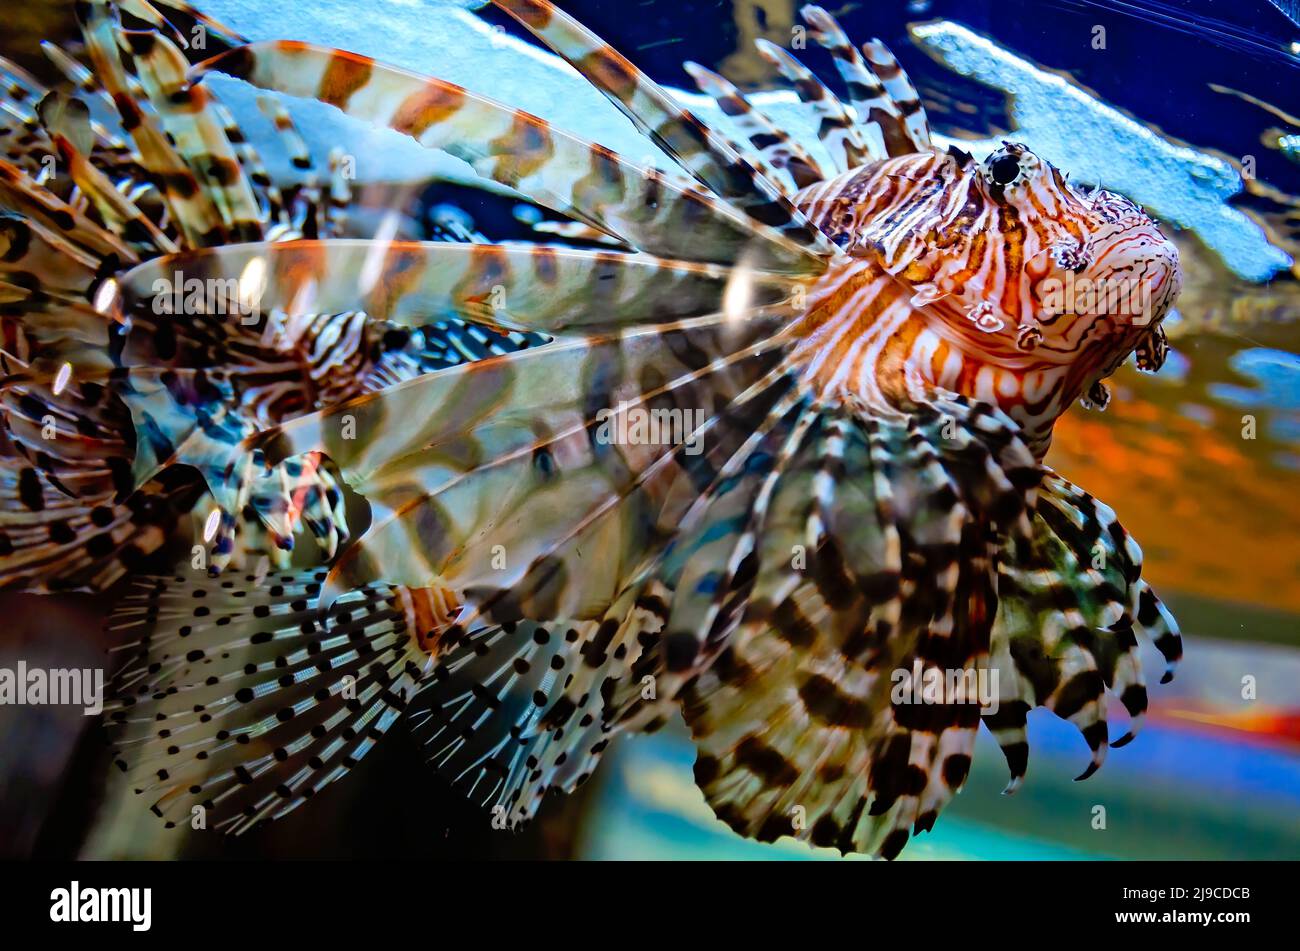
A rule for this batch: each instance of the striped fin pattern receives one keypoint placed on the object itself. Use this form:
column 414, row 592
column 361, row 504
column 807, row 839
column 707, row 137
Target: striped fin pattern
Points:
column 22, row 196
column 699, row 150
column 191, row 208
column 551, row 290
column 772, row 146
column 541, row 451
column 1072, row 602
column 775, row 449
column 882, row 96
column 589, row 182
column 835, row 127
column 838, row 579
column 192, row 124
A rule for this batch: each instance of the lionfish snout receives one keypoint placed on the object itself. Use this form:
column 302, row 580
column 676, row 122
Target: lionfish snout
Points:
column 1106, row 296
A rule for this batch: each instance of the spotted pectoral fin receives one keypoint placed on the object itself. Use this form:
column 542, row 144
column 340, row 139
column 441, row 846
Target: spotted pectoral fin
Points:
column 52, row 542
column 67, row 518
column 515, row 712
column 794, row 743
column 244, row 698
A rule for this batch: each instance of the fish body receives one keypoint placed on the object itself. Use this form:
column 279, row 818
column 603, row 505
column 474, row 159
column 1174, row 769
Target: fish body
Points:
column 857, row 365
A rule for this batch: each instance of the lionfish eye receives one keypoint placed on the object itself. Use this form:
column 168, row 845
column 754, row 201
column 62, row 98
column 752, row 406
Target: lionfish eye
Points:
column 1003, row 171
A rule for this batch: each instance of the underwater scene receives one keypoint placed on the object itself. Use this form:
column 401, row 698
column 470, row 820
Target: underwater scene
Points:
column 650, row 429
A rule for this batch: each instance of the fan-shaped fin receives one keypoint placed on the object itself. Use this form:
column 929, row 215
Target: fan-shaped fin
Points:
column 552, row 290
column 648, row 209
column 518, row 711
column 845, row 694
column 531, row 453
column 246, row 698
column 698, row 149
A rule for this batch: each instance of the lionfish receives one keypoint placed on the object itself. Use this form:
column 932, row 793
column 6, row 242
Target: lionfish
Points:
column 868, row 348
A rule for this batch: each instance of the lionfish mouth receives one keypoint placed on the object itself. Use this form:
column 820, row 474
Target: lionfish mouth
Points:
column 757, row 441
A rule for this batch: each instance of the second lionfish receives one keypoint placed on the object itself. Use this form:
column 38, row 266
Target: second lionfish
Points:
column 870, row 356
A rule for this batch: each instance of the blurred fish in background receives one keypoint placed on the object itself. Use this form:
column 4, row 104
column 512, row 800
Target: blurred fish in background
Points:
column 1187, row 108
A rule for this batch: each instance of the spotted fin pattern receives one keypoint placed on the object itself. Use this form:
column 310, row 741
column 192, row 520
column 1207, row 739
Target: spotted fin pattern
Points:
column 515, row 712
column 248, row 699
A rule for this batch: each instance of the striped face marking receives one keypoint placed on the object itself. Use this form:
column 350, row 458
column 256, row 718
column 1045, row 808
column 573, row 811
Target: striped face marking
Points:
column 1000, row 281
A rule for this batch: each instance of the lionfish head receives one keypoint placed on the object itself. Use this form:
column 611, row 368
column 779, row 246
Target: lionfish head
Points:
column 1026, row 268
